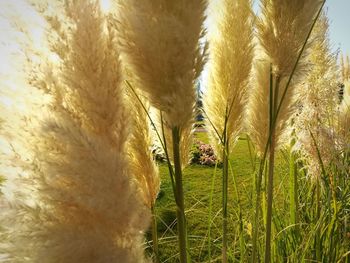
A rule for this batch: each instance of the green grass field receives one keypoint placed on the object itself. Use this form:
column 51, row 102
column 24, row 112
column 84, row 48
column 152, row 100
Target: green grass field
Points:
column 200, row 189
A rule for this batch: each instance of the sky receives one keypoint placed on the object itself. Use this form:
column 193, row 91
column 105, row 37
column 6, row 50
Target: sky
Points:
column 339, row 17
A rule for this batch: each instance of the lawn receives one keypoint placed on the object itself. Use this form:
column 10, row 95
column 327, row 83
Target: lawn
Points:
column 200, row 189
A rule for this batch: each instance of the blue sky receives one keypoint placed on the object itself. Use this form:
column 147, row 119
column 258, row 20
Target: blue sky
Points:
column 339, row 18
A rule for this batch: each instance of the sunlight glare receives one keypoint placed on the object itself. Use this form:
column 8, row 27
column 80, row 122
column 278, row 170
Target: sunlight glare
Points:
column 105, row 5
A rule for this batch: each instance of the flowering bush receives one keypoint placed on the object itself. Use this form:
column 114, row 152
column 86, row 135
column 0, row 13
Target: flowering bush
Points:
column 203, row 154
column 158, row 153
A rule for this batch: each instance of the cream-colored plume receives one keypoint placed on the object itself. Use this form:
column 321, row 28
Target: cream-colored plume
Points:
column 229, row 69
column 258, row 106
column 282, row 31
column 318, row 99
column 139, row 150
column 69, row 192
column 345, row 67
column 160, row 44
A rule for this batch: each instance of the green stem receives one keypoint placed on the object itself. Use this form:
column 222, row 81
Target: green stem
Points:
column 240, row 215
column 165, row 148
column 273, row 118
column 293, row 188
column 256, row 215
column 318, row 215
column 155, row 235
column 260, row 175
column 263, row 194
column 210, row 211
column 225, row 157
column 180, row 211
column 269, row 201
column 224, row 199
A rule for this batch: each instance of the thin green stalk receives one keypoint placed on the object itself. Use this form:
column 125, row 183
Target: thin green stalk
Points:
column 171, row 171
column 210, row 212
column 263, row 194
column 224, row 202
column 225, row 142
column 256, row 216
column 175, row 176
column 293, row 187
column 258, row 186
column 165, row 148
column 180, row 211
column 225, row 192
column 155, row 235
column 318, row 230
column 162, row 141
column 272, row 110
column 318, row 207
column 252, row 160
column 240, row 216
column 212, row 125
column 241, row 238
column 269, row 200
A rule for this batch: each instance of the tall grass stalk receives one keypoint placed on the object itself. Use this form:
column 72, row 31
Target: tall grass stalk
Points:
column 240, row 216
column 260, row 177
column 224, row 140
column 155, row 235
column 225, row 157
column 161, row 139
column 163, row 143
column 227, row 93
column 180, row 212
column 293, row 186
column 271, row 138
column 176, row 179
column 152, row 34
column 210, row 211
column 274, row 88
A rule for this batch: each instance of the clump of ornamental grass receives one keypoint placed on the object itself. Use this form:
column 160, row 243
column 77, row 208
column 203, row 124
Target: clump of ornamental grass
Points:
column 68, row 185
column 318, row 103
column 317, row 126
column 231, row 54
column 160, row 45
column 283, row 33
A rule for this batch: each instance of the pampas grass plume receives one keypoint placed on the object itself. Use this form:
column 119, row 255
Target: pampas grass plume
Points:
column 75, row 200
column 282, row 31
column 139, row 150
column 318, row 100
column 229, row 68
column 160, row 42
